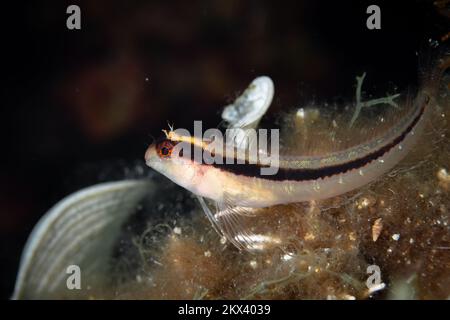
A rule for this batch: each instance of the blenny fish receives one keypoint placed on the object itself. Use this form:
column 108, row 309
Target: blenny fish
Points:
column 238, row 188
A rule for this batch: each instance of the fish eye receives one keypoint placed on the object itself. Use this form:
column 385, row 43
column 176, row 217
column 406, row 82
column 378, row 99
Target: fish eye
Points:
column 164, row 151
column 165, row 148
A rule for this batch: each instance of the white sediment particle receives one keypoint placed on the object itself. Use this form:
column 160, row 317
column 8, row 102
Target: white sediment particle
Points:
column 287, row 257
column 396, row 236
column 177, row 230
column 223, row 240
column 365, row 202
column 301, row 113
column 253, row 264
column 207, row 254
column 433, row 43
column 443, row 175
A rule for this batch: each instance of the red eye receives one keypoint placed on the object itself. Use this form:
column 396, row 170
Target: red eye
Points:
column 165, row 148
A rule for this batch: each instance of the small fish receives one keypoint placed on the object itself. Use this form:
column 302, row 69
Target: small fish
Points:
column 237, row 187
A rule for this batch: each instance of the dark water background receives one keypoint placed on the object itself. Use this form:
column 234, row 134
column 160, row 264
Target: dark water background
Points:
column 79, row 107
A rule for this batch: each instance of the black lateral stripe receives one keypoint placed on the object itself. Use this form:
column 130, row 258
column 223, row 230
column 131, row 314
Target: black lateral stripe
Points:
column 254, row 170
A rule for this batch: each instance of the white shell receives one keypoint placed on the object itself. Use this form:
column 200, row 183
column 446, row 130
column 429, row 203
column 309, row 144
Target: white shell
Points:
column 248, row 109
column 79, row 230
